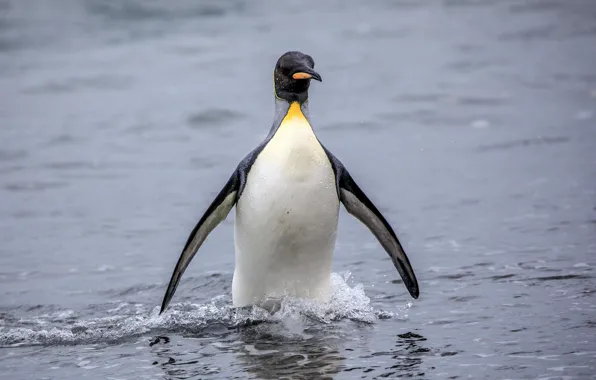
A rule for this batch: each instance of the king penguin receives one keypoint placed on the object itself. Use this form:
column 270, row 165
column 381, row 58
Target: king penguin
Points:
column 287, row 193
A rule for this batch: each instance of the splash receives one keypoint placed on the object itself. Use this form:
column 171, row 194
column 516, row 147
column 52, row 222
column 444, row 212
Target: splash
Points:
column 128, row 320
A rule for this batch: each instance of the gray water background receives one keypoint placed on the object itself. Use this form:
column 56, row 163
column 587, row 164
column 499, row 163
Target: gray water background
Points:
column 471, row 125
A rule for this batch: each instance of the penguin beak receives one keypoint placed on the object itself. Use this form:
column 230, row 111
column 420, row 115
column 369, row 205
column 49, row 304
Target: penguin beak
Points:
column 306, row 73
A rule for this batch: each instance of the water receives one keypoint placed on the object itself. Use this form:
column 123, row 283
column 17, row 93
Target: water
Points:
column 471, row 124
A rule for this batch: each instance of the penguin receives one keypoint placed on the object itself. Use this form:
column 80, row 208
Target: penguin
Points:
column 287, row 193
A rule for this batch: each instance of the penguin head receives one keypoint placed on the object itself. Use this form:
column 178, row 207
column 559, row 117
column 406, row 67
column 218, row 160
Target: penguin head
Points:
column 292, row 76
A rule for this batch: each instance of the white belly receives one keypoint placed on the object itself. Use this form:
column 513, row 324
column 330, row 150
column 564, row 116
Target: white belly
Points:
column 286, row 221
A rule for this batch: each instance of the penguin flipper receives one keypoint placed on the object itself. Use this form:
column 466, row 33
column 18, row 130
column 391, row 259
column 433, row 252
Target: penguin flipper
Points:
column 215, row 214
column 358, row 204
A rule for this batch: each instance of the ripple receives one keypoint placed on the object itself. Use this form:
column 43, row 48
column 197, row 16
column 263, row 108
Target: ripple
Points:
column 534, row 6
column 467, row 3
column 455, row 276
column 524, row 143
column 538, row 33
column 139, row 11
column 11, row 155
column 469, row 66
column 212, row 117
column 74, row 84
column 562, row 277
column 502, row 276
column 34, row 186
column 63, row 139
column 70, row 165
column 204, row 162
column 462, row 298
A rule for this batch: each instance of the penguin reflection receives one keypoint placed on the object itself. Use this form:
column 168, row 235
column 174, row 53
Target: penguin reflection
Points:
column 267, row 351
column 280, row 355
column 272, row 351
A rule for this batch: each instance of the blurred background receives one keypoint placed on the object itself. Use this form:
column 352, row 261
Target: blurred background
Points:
column 470, row 123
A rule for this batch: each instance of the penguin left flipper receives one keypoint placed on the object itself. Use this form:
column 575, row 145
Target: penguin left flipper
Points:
column 358, row 204
column 215, row 214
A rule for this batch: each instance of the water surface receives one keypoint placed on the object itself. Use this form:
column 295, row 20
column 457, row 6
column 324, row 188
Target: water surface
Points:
column 471, row 124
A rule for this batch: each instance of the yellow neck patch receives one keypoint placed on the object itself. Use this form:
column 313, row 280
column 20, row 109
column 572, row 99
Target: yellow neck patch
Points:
column 294, row 150
column 295, row 112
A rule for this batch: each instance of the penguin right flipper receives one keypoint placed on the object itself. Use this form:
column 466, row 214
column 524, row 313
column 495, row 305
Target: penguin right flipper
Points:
column 215, row 214
column 358, row 204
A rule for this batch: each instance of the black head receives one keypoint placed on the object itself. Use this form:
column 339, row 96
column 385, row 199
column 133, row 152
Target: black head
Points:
column 292, row 76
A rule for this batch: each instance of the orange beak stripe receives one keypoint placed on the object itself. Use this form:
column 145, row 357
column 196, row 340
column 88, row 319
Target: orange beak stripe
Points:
column 301, row 76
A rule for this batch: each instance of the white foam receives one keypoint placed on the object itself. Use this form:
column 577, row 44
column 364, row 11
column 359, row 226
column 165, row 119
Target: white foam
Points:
column 125, row 321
